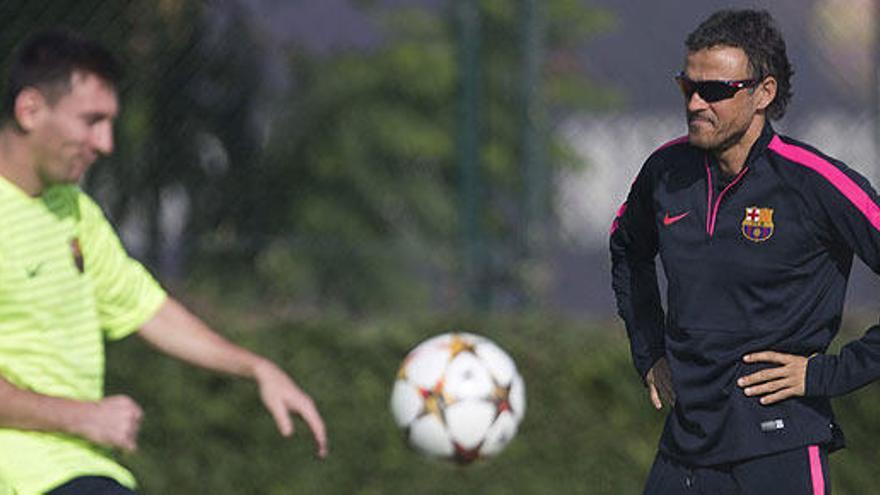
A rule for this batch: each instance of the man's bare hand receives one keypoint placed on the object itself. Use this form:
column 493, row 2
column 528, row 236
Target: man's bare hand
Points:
column 281, row 396
column 659, row 381
column 114, row 421
column 786, row 380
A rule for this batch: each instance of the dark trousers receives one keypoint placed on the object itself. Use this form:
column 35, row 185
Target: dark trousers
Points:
column 91, row 485
column 802, row 471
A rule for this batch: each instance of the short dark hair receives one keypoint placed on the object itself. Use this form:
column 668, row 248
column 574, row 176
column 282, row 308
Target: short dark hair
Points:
column 47, row 60
column 755, row 32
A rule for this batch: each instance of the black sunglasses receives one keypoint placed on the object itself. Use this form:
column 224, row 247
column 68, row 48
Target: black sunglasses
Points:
column 712, row 91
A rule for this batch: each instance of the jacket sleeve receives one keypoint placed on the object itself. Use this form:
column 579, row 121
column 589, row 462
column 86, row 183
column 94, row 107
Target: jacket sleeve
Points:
column 634, row 275
column 849, row 210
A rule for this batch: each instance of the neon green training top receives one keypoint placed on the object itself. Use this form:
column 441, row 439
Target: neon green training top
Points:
column 66, row 285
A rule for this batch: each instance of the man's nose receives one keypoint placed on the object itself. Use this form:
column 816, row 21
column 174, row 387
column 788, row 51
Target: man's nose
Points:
column 102, row 138
column 696, row 102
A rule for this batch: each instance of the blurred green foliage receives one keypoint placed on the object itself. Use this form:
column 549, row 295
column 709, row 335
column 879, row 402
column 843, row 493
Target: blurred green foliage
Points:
column 361, row 175
column 360, row 171
column 338, row 188
column 588, row 429
column 343, row 196
column 191, row 91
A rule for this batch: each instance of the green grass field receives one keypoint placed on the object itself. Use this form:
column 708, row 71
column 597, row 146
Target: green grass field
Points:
column 589, row 429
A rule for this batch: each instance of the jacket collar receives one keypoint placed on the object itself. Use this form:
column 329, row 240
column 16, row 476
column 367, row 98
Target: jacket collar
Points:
column 757, row 149
column 761, row 144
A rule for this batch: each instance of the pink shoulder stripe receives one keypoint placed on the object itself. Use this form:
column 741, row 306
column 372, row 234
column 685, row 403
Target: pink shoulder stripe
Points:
column 675, row 141
column 855, row 194
column 616, row 223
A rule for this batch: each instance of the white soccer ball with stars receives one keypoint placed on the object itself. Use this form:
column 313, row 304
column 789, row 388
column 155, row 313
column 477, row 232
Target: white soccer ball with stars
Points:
column 458, row 396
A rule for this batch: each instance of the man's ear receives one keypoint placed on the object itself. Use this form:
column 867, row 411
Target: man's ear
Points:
column 29, row 107
column 766, row 92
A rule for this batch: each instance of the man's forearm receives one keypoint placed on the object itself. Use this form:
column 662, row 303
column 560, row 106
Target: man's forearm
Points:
column 856, row 365
column 26, row 410
column 180, row 334
column 112, row 421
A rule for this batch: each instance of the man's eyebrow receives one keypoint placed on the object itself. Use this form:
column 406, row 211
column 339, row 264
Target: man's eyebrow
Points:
column 96, row 116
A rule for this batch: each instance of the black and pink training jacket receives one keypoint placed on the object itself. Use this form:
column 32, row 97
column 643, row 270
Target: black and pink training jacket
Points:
column 755, row 262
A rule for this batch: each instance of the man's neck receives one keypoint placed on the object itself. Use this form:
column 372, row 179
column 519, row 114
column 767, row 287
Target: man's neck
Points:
column 732, row 159
column 16, row 162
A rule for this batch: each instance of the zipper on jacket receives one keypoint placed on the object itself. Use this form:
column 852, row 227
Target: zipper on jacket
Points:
column 712, row 209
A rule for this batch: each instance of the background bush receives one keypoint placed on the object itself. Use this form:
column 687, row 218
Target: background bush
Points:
column 589, row 427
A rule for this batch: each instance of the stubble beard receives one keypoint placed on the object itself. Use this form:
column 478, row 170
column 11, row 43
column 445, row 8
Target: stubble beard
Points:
column 715, row 142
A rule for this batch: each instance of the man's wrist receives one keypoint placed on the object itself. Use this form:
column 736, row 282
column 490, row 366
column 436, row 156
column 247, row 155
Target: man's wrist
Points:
column 261, row 367
column 73, row 416
column 813, row 382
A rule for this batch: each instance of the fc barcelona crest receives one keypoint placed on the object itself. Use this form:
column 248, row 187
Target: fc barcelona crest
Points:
column 757, row 226
column 77, row 254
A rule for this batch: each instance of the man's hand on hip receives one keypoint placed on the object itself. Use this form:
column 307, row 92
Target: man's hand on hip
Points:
column 772, row 385
column 659, row 381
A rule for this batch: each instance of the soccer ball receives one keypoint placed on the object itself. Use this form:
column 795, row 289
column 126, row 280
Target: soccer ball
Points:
column 458, row 396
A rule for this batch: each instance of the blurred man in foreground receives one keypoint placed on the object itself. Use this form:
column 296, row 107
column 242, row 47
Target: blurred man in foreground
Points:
column 756, row 233
column 66, row 285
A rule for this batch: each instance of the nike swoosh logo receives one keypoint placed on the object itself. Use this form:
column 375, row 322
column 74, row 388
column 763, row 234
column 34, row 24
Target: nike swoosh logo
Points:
column 667, row 220
column 32, row 272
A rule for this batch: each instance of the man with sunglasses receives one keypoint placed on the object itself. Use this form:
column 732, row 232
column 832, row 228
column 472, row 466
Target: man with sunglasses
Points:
column 756, row 233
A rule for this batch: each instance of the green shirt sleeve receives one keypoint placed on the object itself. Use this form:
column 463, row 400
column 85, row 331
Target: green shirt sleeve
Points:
column 127, row 295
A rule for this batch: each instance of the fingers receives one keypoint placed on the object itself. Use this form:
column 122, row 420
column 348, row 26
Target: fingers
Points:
column 775, row 384
column 128, row 443
column 661, row 392
column 305, row 408
column 282, row 396
column 659, row 381
column 310, row 415
column 778, row 396
column 130, row 416
column 667, row 393
column 770, row 388
column 114, row 421
column 763, row 376
column 768, row 357
column 781, row 385
column 663, row 382
column 130, row 436
column 281, row 415
column 655, row 397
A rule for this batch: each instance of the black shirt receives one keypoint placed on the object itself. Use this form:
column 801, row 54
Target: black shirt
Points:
column 758, row 261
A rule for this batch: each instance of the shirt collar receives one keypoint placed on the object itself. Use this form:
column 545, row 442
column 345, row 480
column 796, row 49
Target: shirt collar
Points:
column 761, row 144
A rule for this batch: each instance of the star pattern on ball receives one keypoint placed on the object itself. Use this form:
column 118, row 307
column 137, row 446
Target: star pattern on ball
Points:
column 501, row 398
column 459, row 344
column 434, row 402
column 464, row 455
column 458, row 397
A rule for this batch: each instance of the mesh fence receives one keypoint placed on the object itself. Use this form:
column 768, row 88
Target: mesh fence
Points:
column 319, row 149
column 833, row 48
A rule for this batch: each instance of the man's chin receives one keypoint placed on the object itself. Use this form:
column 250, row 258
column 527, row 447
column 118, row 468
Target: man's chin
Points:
column 700, row 140
column 76, row 175
column 70, row 179
column 73, row 178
